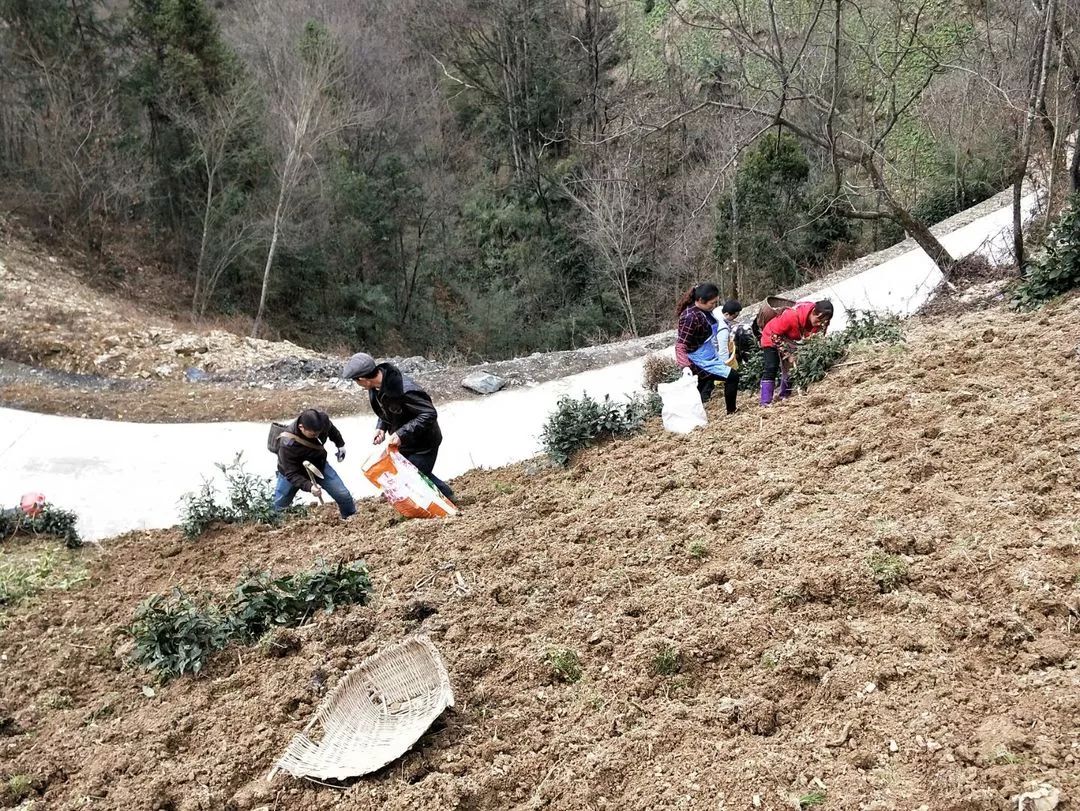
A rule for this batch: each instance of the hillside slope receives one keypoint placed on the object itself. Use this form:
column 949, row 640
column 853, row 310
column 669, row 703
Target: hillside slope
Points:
column 115, row 351
column 951, row 461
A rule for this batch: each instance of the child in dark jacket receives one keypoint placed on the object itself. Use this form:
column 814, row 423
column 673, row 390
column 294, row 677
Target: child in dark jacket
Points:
column 302, row 441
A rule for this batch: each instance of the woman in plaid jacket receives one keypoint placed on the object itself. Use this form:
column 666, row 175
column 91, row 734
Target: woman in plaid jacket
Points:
column 705, row 345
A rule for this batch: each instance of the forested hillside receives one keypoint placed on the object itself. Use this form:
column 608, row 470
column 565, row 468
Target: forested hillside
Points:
column 491, row 177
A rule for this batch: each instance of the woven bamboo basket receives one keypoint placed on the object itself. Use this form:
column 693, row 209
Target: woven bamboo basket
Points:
column 375, row 713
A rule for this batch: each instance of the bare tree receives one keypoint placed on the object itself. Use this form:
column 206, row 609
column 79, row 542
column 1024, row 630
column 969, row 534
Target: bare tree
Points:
column 88, row 181
column 1040, row 69
column 215, row 130
column 1063, row 30
column 841, row 76
column 618, row 219
column 57, row 135
column 304, row 77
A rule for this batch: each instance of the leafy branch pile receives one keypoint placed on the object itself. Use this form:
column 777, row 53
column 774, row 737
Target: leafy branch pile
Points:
column 871, row 328
column 249, row 500
column 577, row 424
column 658, row 369
column 816, row 356
column 176, row 635
column 1056, row 268
column 50, row 521
column 751, row 369
column 820, row 353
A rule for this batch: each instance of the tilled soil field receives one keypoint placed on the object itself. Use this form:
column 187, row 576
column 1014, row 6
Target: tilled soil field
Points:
column 866, row 598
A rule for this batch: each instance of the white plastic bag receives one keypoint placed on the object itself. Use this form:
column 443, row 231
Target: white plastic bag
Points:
column 683, row 410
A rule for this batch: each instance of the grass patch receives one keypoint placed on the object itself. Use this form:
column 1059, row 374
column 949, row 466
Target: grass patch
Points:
column 19, row 787
column 23, row 575
column 565, row 664
column 58, row 701
column 1004, row 757
column 667, row 661
column 105, row 710
column 699, row 550
column 790, row 597
column 812, row 799
column 889, row 571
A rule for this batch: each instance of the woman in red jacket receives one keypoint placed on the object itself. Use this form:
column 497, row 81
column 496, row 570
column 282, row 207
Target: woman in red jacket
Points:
column 779, row 336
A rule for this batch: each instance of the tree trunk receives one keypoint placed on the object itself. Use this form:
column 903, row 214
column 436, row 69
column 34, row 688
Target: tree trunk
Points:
column 1066, row 57
column 915, row 228
column 592, row 45
column 736, row 286
column 631, row 321
column 1038, row 89
column 1074, row 163
column 198, row 306
column 270, row 256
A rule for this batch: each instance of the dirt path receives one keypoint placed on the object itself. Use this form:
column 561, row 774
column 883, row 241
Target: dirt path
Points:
column 753, row 556
column 255, row 395
column 161, row 401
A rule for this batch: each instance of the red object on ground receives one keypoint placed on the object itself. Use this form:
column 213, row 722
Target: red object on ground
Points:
column 32, row 504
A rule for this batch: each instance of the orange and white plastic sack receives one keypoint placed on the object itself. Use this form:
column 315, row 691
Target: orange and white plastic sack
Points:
column 406, row 488
column 683, row 410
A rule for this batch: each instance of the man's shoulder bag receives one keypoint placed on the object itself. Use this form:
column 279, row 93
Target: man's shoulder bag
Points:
column 277, row 431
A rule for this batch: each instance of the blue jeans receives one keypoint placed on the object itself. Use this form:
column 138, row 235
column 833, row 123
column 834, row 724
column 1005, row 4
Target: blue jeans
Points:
column 285, row 492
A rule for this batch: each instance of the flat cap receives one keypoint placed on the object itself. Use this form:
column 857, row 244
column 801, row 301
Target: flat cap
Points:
column 359, row 365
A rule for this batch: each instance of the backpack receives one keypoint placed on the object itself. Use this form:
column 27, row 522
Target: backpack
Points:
column 745, row 344
column 277, row 431
column 773, row 306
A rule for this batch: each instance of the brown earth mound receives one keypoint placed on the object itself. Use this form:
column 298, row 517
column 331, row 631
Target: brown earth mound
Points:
column 865, row 598
column 50, row 317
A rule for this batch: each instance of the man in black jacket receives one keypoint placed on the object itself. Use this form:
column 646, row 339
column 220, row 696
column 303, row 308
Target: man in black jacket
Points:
column 302, row 441
column 405, row 411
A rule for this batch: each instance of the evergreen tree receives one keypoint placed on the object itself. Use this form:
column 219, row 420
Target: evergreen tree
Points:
column 180, row 64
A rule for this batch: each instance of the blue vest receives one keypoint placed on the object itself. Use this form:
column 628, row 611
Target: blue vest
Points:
column 707, row 356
